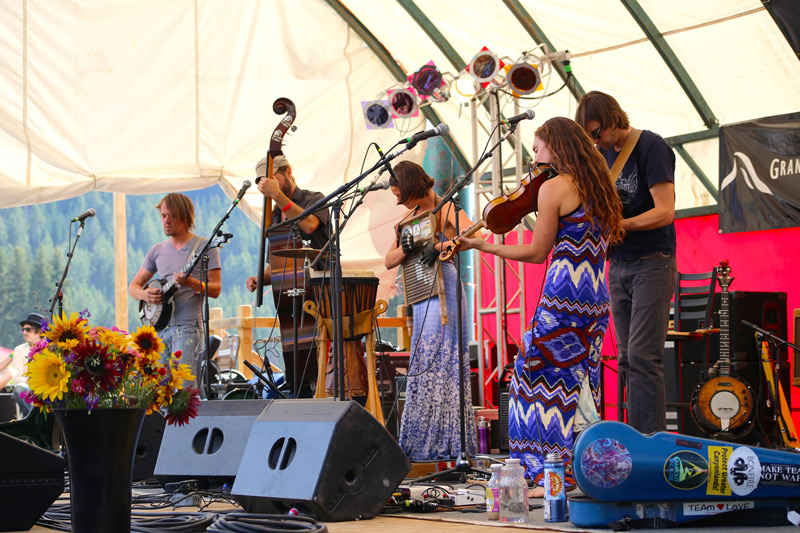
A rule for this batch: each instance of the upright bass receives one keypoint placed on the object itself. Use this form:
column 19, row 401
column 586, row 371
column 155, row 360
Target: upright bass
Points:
column 281, row 106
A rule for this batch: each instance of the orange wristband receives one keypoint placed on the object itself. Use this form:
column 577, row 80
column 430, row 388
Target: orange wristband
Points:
column 286, row 208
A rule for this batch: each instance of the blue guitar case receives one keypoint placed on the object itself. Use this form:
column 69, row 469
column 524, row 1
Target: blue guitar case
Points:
column 666, row 479
column 615, row 463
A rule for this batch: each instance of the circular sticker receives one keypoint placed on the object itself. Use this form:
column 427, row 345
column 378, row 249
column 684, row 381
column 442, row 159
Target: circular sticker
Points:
column 686, row 470
column 606, row 463
column 744, row 471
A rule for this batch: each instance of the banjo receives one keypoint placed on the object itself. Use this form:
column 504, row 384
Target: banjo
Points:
column 723, row 403
column 159, row 315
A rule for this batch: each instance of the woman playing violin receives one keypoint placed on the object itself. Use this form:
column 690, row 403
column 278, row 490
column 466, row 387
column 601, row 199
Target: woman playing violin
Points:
column 580, row 214
column 431, row 424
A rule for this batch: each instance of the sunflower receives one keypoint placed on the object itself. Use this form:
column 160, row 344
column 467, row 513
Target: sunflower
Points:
column 146, row 342
column 67, row 333
column 48, row 376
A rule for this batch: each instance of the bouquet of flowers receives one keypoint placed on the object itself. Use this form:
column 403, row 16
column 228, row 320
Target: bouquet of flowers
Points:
column 80, row 366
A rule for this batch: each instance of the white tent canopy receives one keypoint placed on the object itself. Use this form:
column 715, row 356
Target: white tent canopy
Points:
column 152, row 96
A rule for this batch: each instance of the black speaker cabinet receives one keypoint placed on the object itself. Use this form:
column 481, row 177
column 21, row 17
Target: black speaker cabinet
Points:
column 766, row 310
column 502, row 415
column 30, row 481
column 331, row 459
column 150, row 436
column 210, row 447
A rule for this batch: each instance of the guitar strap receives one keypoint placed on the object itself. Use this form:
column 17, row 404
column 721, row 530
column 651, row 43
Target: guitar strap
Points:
column 627, row 148
column 198, row 241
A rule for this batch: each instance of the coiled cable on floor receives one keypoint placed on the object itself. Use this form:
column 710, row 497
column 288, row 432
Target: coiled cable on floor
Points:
column 177, row 522
column 266, row 523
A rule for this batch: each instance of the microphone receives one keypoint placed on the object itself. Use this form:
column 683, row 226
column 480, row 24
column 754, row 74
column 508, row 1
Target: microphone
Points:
column 441, row 129
column 245, row 186
column 374, row 187
column 387, row 166
column 83, row 216
column 527, row 115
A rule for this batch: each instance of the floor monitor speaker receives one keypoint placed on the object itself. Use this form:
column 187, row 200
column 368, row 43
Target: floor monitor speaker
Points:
column 209, row 448
column 150, row 437
column 30, row 481
column 330, row 459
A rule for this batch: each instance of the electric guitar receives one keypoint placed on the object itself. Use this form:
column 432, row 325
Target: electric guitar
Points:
column 724, row 403
column 159, row 315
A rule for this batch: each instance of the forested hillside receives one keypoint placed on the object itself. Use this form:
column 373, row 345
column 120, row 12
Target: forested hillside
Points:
column 34, row 241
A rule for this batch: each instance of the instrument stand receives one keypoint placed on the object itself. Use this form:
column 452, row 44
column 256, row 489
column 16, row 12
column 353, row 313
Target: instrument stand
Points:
column 295, row 293
column 774, row 342
column 58, row 297
column 269, row 383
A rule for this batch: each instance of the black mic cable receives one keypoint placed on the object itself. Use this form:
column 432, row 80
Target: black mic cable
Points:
column 387, row 166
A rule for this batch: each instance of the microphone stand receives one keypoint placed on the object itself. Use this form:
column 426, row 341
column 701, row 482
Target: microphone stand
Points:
column 59, row 296
column 774, row 343
column 463, row 464
column 334, row 199
column 218, row 239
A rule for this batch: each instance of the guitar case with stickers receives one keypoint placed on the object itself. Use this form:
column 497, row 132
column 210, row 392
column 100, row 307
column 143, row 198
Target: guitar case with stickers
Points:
column 622, row 516
column 623, row 472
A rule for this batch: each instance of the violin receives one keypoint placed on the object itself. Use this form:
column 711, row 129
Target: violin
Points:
column 502, row 214
column 280, row 106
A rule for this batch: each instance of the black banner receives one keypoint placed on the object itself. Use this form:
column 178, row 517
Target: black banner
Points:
column 759, row 174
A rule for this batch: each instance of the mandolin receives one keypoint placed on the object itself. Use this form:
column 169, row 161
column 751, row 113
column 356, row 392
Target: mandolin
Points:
column 723, row 404
column 502, row 214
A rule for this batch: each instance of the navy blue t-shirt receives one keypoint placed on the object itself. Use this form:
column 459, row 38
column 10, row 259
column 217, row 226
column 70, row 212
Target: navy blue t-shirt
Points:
column 652, row 161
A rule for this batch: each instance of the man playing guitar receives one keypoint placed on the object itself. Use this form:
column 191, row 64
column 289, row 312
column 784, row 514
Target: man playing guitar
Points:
column 184, row 329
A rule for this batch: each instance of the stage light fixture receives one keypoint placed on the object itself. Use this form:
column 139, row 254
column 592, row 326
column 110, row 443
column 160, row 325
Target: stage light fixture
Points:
column 403, row 102
column 377, row 114
column 485, row 66
column 524, row 77
column 463, row 89
column 426, row 80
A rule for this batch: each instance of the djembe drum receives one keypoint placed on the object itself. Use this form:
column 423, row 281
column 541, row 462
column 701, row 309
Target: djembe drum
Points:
column 358, row 310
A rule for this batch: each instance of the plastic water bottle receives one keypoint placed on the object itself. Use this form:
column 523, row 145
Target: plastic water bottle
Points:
column 555, row 495
column 513, row 492
column 493, row 494
column 484, row 447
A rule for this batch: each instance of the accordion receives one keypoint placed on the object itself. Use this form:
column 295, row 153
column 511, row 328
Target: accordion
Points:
column 421, row 282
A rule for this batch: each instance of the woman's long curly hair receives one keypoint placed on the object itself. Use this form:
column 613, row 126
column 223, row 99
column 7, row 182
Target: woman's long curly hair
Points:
column 573, row 152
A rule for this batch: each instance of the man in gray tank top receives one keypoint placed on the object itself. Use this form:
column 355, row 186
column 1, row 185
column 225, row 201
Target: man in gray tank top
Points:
column 184, row 331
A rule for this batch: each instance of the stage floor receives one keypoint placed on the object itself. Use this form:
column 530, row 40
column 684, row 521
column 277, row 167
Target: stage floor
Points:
column 461, row 520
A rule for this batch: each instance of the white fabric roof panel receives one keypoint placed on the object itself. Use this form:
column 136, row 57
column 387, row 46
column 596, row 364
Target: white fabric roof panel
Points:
column 152, row 96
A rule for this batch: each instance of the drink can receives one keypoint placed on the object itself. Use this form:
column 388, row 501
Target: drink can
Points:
column 555, row 494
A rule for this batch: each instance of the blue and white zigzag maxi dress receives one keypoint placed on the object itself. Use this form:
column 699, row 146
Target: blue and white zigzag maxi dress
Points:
column 562, row 347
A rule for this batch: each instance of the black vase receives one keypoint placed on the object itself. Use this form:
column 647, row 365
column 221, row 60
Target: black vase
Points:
column 101, row 446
